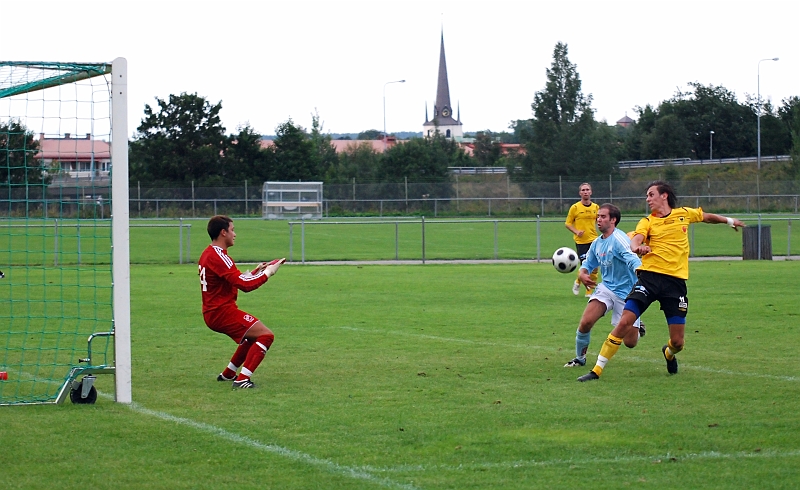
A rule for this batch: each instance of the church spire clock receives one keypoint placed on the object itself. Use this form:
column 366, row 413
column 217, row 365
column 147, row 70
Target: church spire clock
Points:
column 443, row 109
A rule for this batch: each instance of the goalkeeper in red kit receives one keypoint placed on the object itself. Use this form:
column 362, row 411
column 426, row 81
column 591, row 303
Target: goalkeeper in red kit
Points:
column 220, row 283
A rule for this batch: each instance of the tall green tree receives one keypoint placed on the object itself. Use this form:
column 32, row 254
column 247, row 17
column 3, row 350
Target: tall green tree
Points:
column 564, row 139
column 245, row 159
column 358, row 161
column 17, row 150
column 294, row 154
column 422, row 160
column 180, row 140
column 487, row 151
column 325, row 156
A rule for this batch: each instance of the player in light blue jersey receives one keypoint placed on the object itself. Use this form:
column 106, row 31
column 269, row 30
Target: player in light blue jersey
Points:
column 611, row 252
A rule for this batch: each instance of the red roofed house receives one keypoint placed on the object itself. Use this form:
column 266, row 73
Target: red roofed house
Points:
column 342, row 145
column 78, row 158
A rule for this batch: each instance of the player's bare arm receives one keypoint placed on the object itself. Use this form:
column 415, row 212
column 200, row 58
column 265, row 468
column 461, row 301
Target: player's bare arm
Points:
column 636, row 245
column 718, row 218
column 586, row 279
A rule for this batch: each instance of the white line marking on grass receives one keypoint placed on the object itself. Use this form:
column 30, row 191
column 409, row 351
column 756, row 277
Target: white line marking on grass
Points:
column 586, row 461
column 355, row 473
column 530, row 346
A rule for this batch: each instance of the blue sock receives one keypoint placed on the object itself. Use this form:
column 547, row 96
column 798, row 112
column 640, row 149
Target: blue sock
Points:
column 582, row 343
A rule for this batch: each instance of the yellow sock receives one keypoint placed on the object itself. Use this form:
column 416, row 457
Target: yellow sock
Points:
column 672, row 350
column 607, row 351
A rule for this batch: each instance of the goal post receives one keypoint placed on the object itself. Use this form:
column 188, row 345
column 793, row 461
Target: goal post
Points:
column 64, row 240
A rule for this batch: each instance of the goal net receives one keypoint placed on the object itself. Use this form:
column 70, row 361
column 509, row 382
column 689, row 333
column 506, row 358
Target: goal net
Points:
column 64, row 256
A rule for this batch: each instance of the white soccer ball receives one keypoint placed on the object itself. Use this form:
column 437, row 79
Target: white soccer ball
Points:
column 565, row 260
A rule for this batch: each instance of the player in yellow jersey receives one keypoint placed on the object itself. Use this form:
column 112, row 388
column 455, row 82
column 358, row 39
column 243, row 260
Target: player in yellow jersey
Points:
column 663, row 242
column 582, row 221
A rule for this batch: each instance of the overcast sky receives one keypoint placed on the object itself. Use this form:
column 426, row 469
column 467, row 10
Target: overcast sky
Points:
column 269, row 61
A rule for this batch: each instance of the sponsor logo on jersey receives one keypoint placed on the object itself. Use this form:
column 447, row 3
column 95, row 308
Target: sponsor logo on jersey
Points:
column 249, row 318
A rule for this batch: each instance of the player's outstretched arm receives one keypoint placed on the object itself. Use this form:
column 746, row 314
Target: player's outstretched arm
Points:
column 718, row 218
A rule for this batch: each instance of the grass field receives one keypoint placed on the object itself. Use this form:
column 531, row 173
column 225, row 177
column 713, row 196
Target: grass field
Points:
column 436, row 376
column 159, row 241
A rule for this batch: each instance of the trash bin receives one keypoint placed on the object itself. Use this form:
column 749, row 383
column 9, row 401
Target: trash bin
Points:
column 751, row 236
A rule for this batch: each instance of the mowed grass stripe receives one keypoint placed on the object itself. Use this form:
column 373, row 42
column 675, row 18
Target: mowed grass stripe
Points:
column 621, row 357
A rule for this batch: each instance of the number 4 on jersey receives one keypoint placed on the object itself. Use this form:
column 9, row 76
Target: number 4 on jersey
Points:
column 202, row 274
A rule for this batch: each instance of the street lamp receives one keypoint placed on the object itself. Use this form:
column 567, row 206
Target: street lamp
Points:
column 758, row 158
column 384, row 110
column 711, row 145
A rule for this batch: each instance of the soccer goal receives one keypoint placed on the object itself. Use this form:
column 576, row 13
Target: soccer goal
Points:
column 283, row 200
column 64, row 244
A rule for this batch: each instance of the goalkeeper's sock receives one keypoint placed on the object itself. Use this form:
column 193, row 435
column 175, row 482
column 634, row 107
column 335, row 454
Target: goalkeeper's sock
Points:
column 238, row 358
column 582, row 343
column 607, row 351
column 255, row 356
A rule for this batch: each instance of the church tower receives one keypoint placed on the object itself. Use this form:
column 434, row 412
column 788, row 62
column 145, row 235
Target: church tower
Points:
column 442, row 109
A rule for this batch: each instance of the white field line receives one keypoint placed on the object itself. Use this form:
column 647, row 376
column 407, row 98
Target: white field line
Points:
column 622, row 357
column 328, row 465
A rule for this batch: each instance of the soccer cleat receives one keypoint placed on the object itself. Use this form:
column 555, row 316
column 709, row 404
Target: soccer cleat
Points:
column 576, row 288
column 672, row 366
column 576, row 362
column 642, row 331
column 588, row 377
column 223, row 378
column 244, row 383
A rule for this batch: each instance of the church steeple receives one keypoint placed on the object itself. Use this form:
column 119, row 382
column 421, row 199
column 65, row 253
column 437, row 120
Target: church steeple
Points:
column 445, row 109
column 442, row 109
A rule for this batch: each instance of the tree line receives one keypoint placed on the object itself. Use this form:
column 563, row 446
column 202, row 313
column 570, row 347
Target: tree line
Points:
column 182, row 139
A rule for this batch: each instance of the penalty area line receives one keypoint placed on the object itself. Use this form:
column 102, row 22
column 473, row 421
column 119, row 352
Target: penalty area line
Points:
column 358, row 474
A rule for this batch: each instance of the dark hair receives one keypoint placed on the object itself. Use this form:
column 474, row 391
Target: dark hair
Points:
column 613, row 212
column 663, row 187
column 216, row 224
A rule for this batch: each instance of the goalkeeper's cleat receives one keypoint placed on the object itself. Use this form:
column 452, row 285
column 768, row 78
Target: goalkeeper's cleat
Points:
column 590, row 376
column 642, row 331
column 672, row 366
column 223, row 378
column 576, row 288
column 576, row 362
column 244, row 383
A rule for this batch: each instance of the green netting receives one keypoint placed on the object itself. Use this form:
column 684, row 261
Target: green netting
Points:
column 55, row 226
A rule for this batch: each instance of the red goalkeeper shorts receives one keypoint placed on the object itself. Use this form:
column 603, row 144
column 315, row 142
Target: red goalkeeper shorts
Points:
column 233, row 322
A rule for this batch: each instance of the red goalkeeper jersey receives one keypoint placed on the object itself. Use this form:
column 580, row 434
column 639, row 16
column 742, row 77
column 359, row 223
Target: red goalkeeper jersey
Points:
column 221, row 280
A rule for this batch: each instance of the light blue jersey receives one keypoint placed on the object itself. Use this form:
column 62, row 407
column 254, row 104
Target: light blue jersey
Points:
column 616, row 261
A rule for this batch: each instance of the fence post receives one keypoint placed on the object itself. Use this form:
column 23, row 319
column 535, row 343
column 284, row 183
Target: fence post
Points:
column 193, row 215
column 303, row 240
column 458, row 203
column 245, row 197
column 79, row 241
column 291, row 240
column 396, row 240
column 180, row 240
column 538, row 241
column 495, row 239
column 423, row 239
column 189, row 242
column 789, row 241
column 55, row 242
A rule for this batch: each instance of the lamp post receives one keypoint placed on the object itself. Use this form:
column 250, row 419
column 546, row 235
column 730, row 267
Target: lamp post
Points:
column 758, row 158
column 384, row 110
column 711, row 145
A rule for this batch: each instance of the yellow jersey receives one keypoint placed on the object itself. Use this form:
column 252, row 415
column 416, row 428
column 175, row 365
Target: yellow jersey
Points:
column 583, row 218
column 668, row 239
